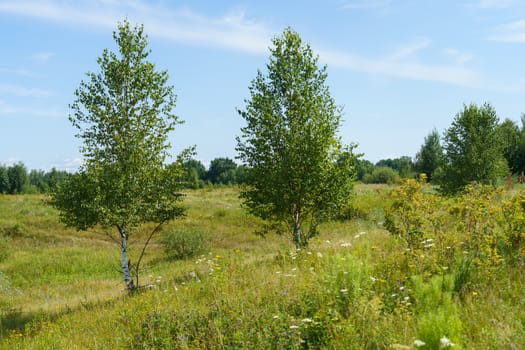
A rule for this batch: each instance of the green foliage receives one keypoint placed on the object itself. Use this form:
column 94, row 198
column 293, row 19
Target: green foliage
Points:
column 17, row 178
column 473, row 150
column 184, row 243
column 289, row 145
column 222, row 171
column 124, row 114
column 4, row 179
column 437, row 313
column 402, row 165
column 194, row 174
column 430, row 156
column 381, row 175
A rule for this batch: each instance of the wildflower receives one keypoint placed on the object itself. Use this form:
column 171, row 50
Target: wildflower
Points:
column 474, row 293
column 430, row 245
column 319, row 255
column 444, row 343
column 276, row 317
column 346, row 244
column 306, row 320
column 418, row 343
column 373, row 279
column 294, row 327
column 295, row 268
column 328, row 242
column 344, row 290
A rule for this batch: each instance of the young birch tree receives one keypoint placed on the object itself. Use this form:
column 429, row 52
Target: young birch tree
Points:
column 297, row 171
column 124, row 115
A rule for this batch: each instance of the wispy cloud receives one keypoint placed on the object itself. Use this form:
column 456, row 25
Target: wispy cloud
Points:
column 458, row 56
column 513, row 32
column 23, row 91
column 233, row 30
column 20, row 72
column 404, row 64
column 12, row 110
column 409, row 50
column 42, row 56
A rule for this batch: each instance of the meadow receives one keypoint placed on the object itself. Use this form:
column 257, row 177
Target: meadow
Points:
column 402, row 268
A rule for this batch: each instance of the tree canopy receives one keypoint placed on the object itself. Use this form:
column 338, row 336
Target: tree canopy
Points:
column 473, row 150
column 430, row 156
column 290, row 144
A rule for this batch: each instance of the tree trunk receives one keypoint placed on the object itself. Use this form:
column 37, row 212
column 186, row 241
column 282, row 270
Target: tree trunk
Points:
column 297, row 228
column 125, row 263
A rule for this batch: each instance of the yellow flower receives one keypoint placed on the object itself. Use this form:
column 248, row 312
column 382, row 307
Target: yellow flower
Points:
column 474, row 293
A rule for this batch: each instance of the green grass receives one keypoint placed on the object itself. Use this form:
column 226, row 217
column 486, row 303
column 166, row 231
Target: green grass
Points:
column 355, row 287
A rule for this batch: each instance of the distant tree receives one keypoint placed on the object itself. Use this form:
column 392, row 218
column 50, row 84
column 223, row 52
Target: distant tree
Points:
column 222, row 171
column 473, row 150
column 55, row 177
column 38, row 181
column 381, row 175
column 402, row 165
column 17, row 178
column 290, row 145
column 430, row 156
column 363, row 167
column 4, row 180
column 124, row 115
column 194, row 173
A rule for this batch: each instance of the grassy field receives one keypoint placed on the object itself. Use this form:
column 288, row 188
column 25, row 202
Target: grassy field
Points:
column 448, row 268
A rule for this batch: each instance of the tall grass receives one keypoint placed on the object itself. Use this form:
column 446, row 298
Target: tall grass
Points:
column 356, row 287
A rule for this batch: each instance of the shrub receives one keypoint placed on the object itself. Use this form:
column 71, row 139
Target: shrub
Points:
column 184, row 243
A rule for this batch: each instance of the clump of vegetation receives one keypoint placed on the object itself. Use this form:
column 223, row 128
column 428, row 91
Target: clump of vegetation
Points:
column 184, row 243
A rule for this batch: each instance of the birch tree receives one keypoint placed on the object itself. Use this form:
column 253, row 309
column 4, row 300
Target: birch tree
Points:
column 297, row 170
column 123, row 114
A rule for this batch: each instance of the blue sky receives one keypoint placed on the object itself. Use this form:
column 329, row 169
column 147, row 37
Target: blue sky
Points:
column 399, row 67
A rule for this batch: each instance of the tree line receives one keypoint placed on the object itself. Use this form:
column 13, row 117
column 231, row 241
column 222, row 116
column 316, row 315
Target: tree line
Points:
column 16, row 179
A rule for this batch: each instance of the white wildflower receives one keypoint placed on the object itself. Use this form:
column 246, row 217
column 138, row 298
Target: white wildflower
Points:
column 346, row 244
column 344, row 290
column 444, row 343
column 294, row 327
column 418, row 343
column 306, row 320
column 319, row 254
column 276, row 317
column 373, row 279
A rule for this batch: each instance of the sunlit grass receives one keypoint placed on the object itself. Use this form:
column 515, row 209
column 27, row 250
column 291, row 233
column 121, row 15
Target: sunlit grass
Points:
column 351, row 289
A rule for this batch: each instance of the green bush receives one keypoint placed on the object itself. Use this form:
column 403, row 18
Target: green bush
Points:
column 184, row 243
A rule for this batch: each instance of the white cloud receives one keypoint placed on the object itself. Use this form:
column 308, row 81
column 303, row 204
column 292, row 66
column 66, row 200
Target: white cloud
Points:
column 22, row 91
column 232, row 30
column 408, row 69
column 10, row 110
column 458, row 56
column 513, row 32
column 407, row 51
column 42, row 56
column 68, row 164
